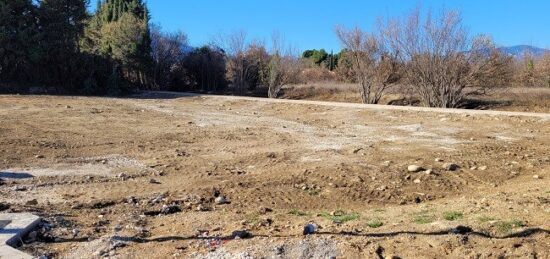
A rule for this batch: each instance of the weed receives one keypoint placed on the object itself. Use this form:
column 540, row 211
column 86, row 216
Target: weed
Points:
column 453, row 215
column 375, row 223
column 424, row 217
column 508, row 226
column 299, row 213
column 484, row 219
column 340, row 216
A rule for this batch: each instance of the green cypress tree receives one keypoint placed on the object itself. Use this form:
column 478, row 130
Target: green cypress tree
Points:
column 18, row 40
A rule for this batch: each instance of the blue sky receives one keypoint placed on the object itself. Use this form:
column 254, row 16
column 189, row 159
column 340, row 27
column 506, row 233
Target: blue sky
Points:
column 307, row 24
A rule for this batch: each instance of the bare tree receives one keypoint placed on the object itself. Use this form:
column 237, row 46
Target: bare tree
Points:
column 375, row 68
column 283, row 68
column 244, row 59
column 168, row 53
column 440, row 57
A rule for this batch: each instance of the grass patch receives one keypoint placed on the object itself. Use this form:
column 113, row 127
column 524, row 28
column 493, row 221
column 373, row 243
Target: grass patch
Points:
column 312, row 192
column 340, row 216
column 484, row 219
column 375, row 223
column 508, row 226
column 452, row 215
column 253, row 219
column 423, row 219
column 298, row 213
column 379, row 210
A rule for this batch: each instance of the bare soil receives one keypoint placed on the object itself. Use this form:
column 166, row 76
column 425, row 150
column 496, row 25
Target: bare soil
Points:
column 101, row 170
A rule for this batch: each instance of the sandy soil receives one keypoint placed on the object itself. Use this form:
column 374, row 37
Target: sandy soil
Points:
column 110, row 177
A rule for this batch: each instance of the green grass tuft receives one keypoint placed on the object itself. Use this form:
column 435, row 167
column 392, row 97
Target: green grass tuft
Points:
column 508, row 226
column 423, row 219
column 340, row 216
column 484, row 219
column 375, row 223
column 452, row 215
column 299, row 213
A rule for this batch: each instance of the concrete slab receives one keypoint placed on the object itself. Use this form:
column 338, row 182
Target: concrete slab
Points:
column 13, row 227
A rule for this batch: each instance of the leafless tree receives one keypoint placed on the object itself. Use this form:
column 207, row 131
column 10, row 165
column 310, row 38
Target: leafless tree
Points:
column 441, row 58
column 374, row 66
column 243, row 60
column 283, row 69
column 168, row 53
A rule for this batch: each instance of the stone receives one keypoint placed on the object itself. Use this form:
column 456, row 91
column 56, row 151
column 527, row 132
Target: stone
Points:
column 309, row 229
column 201, row 207
column 170, row 209
column 482, row 168
column 220, row 200
column 241, row 234
column 4, row 206
column 450, row 166
column 537, row 176
column 417, row 181
column 154, row 181
column 429, row 172
column 439, row 160
column 20, row 188
column 117, row 228
column 39, row 156
column 414, row 168
column 31, row 202
column 461, row 230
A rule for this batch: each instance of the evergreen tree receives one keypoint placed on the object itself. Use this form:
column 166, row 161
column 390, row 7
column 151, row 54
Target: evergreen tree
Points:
column 18, row 41
column 120, row 31
column 61, row 26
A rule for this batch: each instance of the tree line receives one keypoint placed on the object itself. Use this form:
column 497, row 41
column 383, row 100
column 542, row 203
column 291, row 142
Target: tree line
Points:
column 116, row 50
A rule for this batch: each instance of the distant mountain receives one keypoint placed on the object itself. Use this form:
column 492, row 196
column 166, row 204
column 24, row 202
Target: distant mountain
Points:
column 519, row 51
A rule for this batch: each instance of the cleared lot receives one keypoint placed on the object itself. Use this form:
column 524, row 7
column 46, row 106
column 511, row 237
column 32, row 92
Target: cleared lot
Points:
column 101, row 169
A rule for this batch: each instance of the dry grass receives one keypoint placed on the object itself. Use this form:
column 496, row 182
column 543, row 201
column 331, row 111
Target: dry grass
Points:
column 510, row 99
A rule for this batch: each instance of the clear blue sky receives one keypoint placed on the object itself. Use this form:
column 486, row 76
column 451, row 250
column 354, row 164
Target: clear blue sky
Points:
column 307, row 24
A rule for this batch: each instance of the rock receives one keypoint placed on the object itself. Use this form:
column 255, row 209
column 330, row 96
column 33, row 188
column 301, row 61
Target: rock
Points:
column 461, row 230
column 33, row 235
column 429, row 172
column 31, row 202
column 201, row 207
column 417, row 181
column 482, row 168
column 39, row 156
column 537, row 176
column 170, row 209
column 122, row 176
column 473, row 168
column 309, row 229
column 4, row 206
column 117, row 228
column 450, row 166
column 75, row 232
column 20, row 188
column 414, row 168
column 386, row 163
column 264, row 210
column 439, row 160
column 242, row 234
column 220, row 200
column 154, row 181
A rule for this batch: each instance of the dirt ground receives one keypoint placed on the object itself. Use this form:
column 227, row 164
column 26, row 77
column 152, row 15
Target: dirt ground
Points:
column 139, row 177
